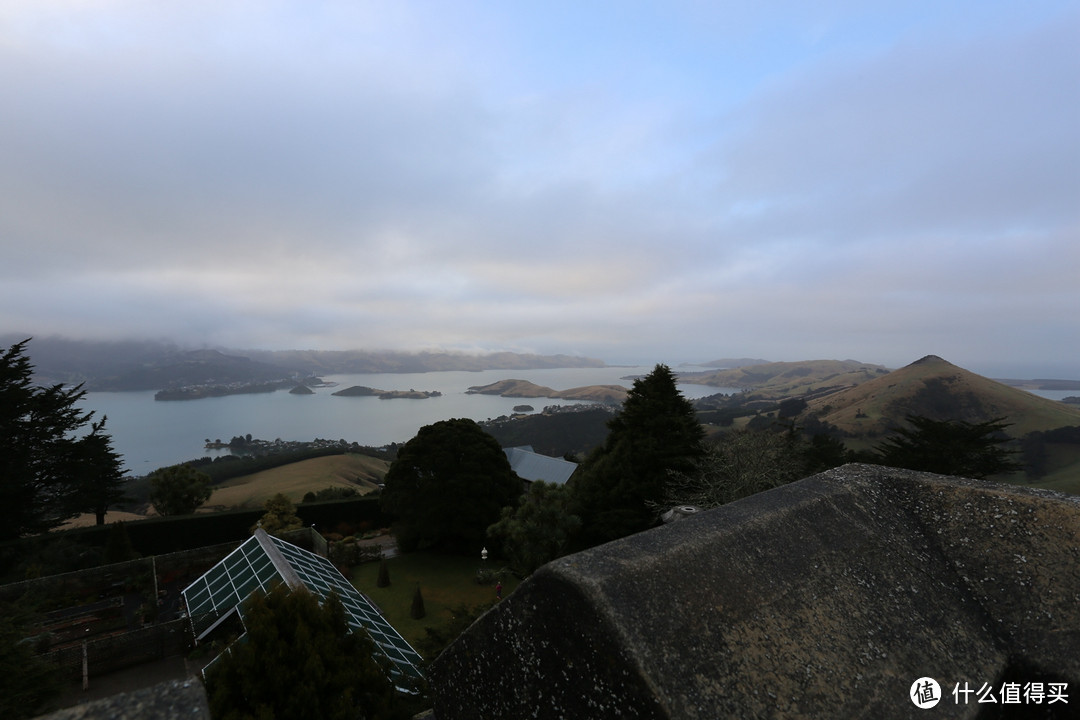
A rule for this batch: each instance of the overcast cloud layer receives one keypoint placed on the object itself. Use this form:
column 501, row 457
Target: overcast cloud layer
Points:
column 668, row 181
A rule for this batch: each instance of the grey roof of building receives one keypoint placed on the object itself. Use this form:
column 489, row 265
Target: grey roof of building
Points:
column 532, row 466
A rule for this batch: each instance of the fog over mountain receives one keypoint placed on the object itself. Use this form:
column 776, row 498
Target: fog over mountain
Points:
column 150, row 365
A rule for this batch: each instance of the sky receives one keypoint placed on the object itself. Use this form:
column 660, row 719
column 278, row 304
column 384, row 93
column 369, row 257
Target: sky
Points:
column 672, row 181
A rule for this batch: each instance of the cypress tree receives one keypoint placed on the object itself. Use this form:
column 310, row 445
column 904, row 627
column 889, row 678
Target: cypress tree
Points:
column 48, row 473
column 417, row 612
column 950, row 447
column 656, row 433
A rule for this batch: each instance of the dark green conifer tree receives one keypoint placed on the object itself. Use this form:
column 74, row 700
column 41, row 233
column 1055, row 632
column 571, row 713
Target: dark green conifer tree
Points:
column 416, row 612
column 27, row 682
column 950, row 447
column 96, row 480
column 447, row 485
column 538, row 529
column 655, row 434
column 179, row 489
column 384, row 575
column 300, row 660
column 118, row 547
column 48, row 472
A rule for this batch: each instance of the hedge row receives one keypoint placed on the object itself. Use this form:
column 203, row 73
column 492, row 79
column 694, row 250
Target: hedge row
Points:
column 158, row 536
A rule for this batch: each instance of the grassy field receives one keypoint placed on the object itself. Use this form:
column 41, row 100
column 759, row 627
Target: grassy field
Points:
column 447, row 582
column 1063, row 469
column 296, row 479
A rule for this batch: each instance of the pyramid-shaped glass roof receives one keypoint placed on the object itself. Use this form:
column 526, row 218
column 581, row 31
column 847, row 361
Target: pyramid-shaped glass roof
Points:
column 263, row 561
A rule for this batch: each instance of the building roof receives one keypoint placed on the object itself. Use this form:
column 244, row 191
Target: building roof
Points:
column 262, row 562
column 532, row 466
column 827, row 597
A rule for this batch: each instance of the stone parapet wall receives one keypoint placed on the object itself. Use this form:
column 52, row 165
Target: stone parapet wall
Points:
column 828, row 597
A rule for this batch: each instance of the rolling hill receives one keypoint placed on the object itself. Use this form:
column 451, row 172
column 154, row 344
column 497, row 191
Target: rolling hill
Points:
column 936, row 388
column 294, row 480
column 778, row 380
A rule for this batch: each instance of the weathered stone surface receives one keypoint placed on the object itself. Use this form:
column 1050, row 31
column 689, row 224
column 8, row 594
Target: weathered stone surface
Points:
column 171, row 700
column 825, row 598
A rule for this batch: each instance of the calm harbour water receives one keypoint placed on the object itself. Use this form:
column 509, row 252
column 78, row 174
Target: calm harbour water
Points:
column 150, row 434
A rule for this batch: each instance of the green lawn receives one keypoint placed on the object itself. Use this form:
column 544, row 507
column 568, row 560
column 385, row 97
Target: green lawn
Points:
column 447, row 582
column 1063, row 469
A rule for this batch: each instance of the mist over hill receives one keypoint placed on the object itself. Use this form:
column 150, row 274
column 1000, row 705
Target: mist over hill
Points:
column 388, row 361
column 157, row 364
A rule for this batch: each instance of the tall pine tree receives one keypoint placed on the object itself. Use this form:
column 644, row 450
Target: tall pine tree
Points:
column 300, row 659
column 96, row 478
column 48, row 473
column 655, row 434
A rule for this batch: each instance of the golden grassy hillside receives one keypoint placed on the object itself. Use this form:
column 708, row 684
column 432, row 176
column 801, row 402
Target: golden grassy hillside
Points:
column 294, row 480
column 612, row 394
column 938, row 389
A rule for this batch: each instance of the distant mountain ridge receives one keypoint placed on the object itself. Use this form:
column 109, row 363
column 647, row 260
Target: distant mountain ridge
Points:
column 728, row 363
column 155, row 365
column 328, row 362
column 779, row 379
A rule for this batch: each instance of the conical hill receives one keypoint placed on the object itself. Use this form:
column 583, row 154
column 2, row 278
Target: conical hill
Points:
column 936, row 388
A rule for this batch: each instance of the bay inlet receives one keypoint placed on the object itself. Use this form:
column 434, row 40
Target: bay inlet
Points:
column 150, row 434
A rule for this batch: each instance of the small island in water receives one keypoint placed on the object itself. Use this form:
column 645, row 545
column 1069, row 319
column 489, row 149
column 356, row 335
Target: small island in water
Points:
column 363, row 391
column 610, row 394
column 196, row 392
